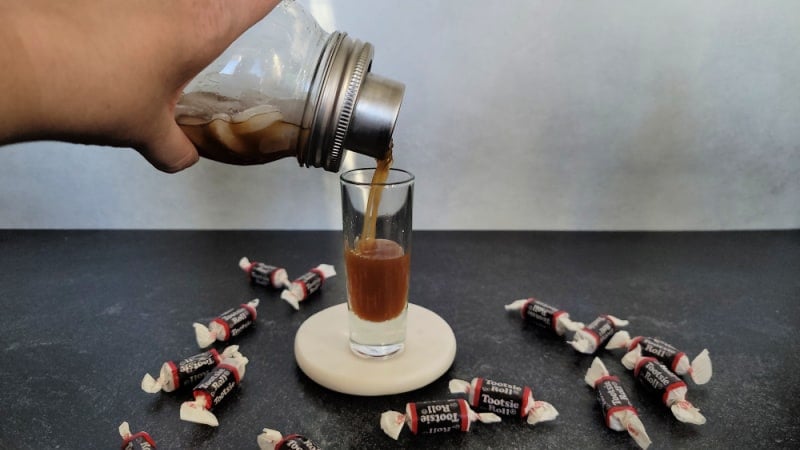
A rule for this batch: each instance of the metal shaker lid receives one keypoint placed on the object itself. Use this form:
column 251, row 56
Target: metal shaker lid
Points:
column 348, row 107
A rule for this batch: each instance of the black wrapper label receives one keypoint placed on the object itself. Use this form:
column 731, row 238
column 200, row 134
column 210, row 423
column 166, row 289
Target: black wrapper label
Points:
column 261, row 273
column 541, row 314
column 657, row 378
column 192, row 369
column 217, row 384
column 297, row 442
column 612, row 397
column 503, row 399
column 659, row 349
column 311, row 282
column 236, row 320
column 139, row 441
column 602, row 329
column 438, row 416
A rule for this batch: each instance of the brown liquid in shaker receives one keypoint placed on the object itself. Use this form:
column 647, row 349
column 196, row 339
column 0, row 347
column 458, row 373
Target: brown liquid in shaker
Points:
column 377, row 269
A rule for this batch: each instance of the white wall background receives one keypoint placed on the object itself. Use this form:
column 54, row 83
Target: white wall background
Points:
column 518, row 114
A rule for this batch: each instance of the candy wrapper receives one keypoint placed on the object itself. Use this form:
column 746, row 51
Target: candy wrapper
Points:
column 307, row 284
column 186, row 372
column 658, row 379
column 699, row 370
column 591, row 337
column 504, row 399
column 229, row 324
column 618, row 410
column 433, row 417
column 541, row 314
column 138, row 441
column 264, row 274
column 214, row 388
column 273, row 440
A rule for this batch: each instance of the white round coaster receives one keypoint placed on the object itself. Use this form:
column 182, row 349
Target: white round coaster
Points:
column 322, row 350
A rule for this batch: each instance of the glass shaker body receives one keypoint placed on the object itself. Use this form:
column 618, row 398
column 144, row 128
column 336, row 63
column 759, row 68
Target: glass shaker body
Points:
column 288, row 88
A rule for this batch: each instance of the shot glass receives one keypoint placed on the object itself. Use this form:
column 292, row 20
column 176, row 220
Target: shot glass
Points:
column 376, row 219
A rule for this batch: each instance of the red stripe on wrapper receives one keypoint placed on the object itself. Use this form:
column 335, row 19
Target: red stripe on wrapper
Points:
column 676, row 360
column 232, row 369
column 250, row 269
column 617, row 409
column 250, row 309
column 174, row 370
column 556, row 315
column 203, row 397
column 303, row 286
column 634, row 343
column 138, row 435
column 527, row 393
column 215, row 355
column 605, row 378
column 670, row 388
column 594, row 336
column 225, row 327
column 642, row 362
column 321, row 275
column 411, row 410
column 285, row 439
column 475, row 395
column 464, row 409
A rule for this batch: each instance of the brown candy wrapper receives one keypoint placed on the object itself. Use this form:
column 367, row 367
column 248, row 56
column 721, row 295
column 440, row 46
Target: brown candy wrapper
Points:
column 504, row 399
column 188, row 371
column 541, row 314
column 699, row 370
column 434, row 417
column 227, row 325
column 594, row 335
column 658, row 379
column 619, row 413
column 214, row 388
column 307, row 284
column 265, row 274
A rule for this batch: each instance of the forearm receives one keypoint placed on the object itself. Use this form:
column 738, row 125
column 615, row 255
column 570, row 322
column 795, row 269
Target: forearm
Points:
column 62, row 65
column 110, row 72
column 20, row 94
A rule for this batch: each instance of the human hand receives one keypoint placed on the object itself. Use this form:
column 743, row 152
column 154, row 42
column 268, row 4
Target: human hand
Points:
column 111, row 72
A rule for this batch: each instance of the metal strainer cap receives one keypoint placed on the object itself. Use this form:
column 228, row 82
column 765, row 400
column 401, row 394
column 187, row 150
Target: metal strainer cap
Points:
column 348, row 107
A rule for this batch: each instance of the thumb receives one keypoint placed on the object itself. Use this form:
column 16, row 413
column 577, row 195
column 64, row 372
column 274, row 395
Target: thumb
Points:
column 172, row 152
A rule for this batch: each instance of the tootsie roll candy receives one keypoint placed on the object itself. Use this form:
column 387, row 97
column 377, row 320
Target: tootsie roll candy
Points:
column 264, row 274
column 591, row 337
column 433, row 417
column 699, row 369
column 541, row 314
column 229, row 324
column 504, row 399
column 214, row 388
column 619, row 413
column 186, row 372
column 658, row 379
column 307, row 284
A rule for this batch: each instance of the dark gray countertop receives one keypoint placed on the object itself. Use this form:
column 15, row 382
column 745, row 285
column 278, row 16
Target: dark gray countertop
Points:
column 87, row 313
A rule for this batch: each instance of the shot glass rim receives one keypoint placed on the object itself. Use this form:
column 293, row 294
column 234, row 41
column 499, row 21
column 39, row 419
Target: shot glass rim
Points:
column 407, row 180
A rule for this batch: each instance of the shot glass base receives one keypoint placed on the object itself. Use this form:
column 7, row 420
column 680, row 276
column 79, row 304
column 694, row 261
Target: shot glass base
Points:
column 376, row 351
column 322, row 351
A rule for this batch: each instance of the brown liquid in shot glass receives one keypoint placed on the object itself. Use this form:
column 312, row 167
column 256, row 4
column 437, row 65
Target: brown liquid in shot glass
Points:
column 377, row 269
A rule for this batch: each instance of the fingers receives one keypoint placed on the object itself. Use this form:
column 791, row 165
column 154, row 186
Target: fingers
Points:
column 172, row 152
